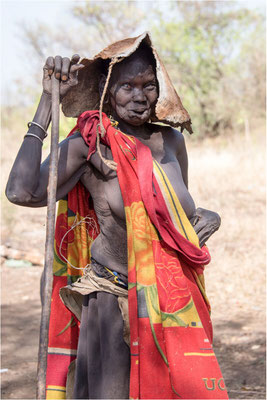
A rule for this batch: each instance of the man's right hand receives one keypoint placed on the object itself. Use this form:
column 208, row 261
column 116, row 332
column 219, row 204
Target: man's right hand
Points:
column 65, row 70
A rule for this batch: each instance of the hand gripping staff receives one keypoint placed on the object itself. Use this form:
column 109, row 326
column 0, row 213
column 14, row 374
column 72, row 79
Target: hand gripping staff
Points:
column 49, row 244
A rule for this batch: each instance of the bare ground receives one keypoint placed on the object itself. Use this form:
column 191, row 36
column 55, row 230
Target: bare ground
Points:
column 225, row 176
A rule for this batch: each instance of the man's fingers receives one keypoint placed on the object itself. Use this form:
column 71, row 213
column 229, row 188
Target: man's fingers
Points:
column 203, row 240
column 199, row 226
column 74, row 73
column 58, row 66
column 46, row 73
column 205, row 234
column 76, row 67
column 75, row 59
column 65, row 68
column 203, row 237
column 49, row 65
column 62, row 67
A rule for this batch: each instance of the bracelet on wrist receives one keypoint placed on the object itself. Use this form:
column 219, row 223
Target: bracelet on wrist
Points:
column 39, row 126
column 33, row 135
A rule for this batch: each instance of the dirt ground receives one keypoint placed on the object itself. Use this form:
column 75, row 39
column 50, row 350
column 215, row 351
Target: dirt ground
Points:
column 225, row 176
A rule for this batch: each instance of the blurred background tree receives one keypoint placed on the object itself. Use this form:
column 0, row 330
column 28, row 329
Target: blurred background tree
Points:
column 214, row 52
column 215, row 56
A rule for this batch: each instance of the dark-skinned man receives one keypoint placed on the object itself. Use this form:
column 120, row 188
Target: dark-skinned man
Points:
column 108, row 365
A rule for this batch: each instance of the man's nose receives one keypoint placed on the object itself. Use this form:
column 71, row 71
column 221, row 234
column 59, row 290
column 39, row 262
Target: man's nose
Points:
column 138, row 95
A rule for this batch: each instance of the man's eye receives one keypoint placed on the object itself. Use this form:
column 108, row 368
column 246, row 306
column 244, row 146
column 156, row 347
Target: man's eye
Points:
column 126, row 86
column 151, row 86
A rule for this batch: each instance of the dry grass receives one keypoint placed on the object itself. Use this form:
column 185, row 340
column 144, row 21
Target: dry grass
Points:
column 228, row 176
column 225, row 175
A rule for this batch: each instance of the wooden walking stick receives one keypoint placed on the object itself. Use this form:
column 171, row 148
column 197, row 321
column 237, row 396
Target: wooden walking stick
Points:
column 49, row 245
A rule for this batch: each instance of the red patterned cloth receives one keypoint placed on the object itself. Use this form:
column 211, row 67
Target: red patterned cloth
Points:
column 170, row 327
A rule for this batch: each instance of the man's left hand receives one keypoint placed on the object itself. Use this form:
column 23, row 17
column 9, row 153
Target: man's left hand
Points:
column 205, row 223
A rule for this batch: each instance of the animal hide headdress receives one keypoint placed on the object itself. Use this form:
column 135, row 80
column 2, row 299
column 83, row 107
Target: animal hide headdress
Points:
column 85, row 95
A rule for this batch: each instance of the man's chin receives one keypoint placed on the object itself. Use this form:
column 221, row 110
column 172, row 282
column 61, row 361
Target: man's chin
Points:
column 138, row 119
column 132, row 118
column 137, row 122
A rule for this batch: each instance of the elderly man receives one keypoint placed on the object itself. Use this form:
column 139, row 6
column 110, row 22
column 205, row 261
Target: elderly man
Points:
column 142, row 245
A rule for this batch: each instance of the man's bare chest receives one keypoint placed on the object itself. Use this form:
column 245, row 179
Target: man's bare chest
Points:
column 104, row 186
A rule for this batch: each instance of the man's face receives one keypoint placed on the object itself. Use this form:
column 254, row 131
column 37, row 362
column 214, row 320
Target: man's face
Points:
column 133, row 91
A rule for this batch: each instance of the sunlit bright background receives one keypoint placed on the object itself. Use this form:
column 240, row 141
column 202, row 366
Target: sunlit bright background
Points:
column 215, row 54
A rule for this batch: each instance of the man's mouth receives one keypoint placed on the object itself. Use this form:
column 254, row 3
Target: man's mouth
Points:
column 139, row 111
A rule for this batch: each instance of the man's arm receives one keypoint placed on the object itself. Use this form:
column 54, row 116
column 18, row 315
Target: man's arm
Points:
column 28, row 180
column 182, row 158
column 205, row 222
column 176, row 142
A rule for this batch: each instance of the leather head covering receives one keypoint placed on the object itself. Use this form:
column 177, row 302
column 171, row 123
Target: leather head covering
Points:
column 85, row 95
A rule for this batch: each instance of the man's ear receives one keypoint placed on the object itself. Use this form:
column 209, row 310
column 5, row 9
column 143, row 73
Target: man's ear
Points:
column 102, row 82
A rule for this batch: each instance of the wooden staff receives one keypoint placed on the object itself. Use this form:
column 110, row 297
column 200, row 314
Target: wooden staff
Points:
column 49, row 244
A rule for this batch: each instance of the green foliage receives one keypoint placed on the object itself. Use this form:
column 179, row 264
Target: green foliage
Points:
column 109, row 20
column 213, row 50
column 202, row 44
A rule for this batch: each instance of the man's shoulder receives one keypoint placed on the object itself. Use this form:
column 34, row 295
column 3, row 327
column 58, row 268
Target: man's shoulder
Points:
column 75, row 144
column 170, row 134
